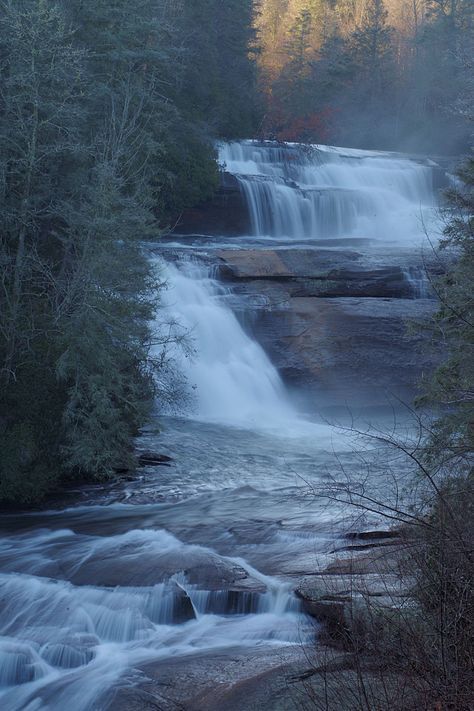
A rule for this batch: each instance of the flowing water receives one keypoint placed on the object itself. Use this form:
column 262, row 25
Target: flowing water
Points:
column 326, row 192
column 204, row 554
column 232, row 378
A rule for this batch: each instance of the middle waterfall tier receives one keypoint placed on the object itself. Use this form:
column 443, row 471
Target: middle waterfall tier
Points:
column 303, row 192
column 232, row 378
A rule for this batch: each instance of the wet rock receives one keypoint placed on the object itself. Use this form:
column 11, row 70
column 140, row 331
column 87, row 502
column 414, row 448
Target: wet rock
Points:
column 352, row 590
column 352, row 350
column 328, row 609
column 209, row 571
column 372, row 562
column 174, row 607
column 153, row 459
column 288, row 679
column 225, row 214
column 232, row 679
column 122, row 469
column 315, row 272
column 331, row 319
column 377, row 535
column 231, row 602
column 283, row 264
column 131, row 565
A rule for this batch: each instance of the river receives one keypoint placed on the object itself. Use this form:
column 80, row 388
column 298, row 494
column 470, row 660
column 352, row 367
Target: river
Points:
column 203, row 555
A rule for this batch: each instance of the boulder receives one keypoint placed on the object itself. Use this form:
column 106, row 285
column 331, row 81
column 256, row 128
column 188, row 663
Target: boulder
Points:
column 353, row 591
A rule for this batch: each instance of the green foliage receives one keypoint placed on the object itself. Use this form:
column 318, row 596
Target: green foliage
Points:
column 188, row 173
column 105, row 133
column 219, row 86
column 452, row 387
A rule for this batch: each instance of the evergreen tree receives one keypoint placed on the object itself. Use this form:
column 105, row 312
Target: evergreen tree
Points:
column 371, row 48
column 299, row 41
column 42, row 79
column 220, row 82
column 388, row 74
column 452, row 387
column 76, row 296
column 99, row 146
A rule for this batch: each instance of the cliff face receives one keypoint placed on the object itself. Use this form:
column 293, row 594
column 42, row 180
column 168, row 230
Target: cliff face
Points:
column 333, row 324
column 225, row 214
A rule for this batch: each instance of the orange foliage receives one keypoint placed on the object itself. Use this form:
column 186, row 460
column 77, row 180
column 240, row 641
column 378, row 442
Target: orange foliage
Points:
column 313, row 128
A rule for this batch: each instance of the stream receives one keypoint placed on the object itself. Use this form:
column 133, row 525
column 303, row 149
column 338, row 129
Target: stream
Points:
column 203, row 555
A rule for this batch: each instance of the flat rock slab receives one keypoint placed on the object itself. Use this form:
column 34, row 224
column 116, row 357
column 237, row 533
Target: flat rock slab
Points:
column 283, row 263
column 201, row 568
column 351, row 590
column 235, row 680
column 278, row 679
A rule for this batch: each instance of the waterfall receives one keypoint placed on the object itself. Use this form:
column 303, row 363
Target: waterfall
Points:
column 232, row 378
column 418, row 282
column 321, row 192
column 202, row 557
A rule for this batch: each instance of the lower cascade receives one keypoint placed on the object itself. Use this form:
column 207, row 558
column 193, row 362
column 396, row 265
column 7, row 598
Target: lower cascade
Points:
column 65, row 642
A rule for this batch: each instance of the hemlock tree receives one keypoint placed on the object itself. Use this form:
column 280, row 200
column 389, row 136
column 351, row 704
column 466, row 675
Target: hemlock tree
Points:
column 452, row 387
column 77, row 293
column 41, row 80
column 99, row 147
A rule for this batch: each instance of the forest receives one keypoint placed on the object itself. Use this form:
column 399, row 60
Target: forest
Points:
column 226, row 227
column 394, row 74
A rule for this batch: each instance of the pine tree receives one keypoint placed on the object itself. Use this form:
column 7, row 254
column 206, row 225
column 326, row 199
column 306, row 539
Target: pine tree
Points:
column 371, row 47
column 451, row 389
column 42, row 79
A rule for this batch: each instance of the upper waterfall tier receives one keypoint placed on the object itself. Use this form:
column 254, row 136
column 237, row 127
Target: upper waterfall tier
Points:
column 317, row 192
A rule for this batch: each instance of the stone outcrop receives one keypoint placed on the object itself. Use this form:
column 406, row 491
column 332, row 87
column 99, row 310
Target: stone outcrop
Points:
column 313, row 272
column 153, row 459
column 333, row 321
column 330, row 319
column 354, row 590
column 224, row 214
column 352, row 349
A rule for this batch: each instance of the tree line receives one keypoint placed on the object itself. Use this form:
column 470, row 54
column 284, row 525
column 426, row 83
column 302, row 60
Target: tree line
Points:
column 368, row 73
column 108, row 113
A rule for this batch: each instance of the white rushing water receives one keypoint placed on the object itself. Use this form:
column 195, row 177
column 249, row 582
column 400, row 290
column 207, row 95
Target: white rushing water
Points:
column 64, row 644
column 204, row 554
column 231, row 377
column 325, row 192
column 419, row 282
